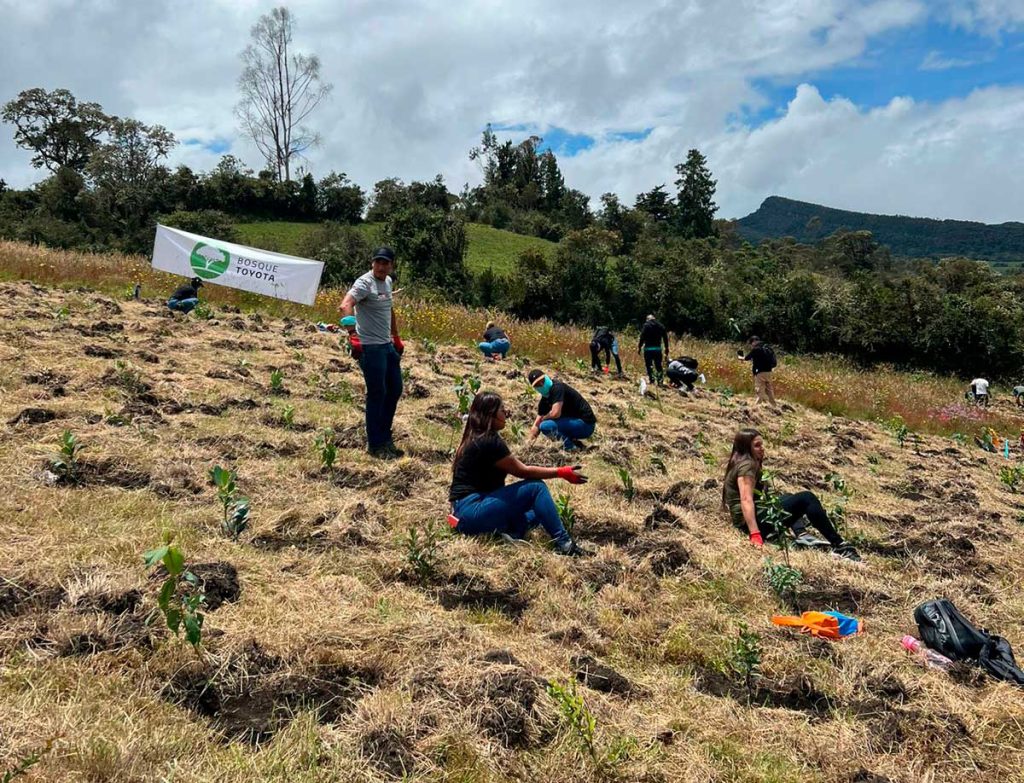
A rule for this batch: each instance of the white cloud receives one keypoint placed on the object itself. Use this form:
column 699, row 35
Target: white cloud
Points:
column 416, row 80
column 987, row 16
column 937, row 61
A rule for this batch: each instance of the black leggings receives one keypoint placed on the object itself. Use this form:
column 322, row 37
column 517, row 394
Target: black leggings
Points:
column 798, row 506
column 595, row 357
column 683, row 378
column 653, row 358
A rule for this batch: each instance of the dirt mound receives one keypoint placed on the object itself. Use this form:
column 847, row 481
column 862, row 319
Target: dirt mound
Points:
column 601, row 677
column 477, row 594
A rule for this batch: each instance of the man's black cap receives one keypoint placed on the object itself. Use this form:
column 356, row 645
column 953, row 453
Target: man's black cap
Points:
column 196, row 282
column 534, row 375
column 384, row 253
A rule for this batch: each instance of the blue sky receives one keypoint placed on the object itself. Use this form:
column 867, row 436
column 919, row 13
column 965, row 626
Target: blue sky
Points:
column 890, row 106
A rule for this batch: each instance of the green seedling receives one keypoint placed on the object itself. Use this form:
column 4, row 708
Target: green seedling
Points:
column 421, row 552
column 959, row 438
column 782, row 579
column 1011, row 476
column 288, row 416
column 128, row 378
column 636, row 413
column 566, row 513
column 429, row 347
column 466, row 389
column 516, row 431
column 234, row 505
column 659, row 465
column 406, row 376
column 65, row 464
column 327, row 448
column 581, row 365
column 276, row 381
column 27, row 762
column 577, row 716
column 745, row 657
column 62, row 314
column 621, row 417
column 628, row 487
column 203, row 311
column 180, row 598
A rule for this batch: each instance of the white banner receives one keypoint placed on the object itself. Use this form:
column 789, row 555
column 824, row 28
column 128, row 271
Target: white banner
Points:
column 236, row 266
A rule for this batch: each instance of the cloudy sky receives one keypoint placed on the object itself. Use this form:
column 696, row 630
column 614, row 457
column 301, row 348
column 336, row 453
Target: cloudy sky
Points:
column 888, row 106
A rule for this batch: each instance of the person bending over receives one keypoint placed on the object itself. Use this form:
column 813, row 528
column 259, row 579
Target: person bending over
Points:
column 980, row 388
column 481, row 500
column 743, row 482
column 495, row 343
column 604, row 339
column 683, row 372
column 561, row 413
column 185, row 298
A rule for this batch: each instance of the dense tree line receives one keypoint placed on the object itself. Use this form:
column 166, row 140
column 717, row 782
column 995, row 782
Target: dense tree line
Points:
column 109, row 184
column 906, row 236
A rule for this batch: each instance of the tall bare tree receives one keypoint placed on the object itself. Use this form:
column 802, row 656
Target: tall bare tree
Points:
column 280, row 89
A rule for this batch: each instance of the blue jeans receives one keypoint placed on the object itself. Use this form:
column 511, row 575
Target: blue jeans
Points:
column 567, row 429
column 182, row 305
column 498, row 346
column 513, row 509
column 382, row 371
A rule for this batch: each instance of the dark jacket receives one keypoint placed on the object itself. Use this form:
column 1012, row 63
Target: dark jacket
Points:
column 185, row 292
column 761, row 359
column 604, row 337
column 652, row 335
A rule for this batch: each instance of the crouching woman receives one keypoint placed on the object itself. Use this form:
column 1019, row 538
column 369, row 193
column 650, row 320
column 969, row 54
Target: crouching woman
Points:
column 481, row 501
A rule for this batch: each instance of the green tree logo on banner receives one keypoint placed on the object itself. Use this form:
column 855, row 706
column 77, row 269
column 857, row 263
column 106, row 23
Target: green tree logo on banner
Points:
column 209, row 262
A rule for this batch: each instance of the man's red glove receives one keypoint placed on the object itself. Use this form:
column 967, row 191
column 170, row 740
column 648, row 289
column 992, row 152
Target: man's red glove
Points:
column 399, row 345
column 568, row 473
column 756, row 540
column 355, row 345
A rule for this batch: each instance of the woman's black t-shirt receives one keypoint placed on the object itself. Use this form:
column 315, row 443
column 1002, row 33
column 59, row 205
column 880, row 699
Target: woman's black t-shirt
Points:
column 476, row 470
column 495, row 333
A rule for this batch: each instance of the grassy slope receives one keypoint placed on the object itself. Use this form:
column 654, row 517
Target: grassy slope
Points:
column 328, row 599
column 488, row 247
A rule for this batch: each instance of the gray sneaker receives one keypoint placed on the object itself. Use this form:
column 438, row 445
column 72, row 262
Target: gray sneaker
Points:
column 570, row 548
column 809, row 541
column 847, row 552
column 510, row 539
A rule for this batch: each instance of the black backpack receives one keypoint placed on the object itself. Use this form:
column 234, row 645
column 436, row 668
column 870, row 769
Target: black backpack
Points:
column 688, row 361
column 943, row 628
column 772, row 361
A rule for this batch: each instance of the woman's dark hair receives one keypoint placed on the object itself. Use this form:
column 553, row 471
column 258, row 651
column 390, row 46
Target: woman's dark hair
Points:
column 741, row 447
column 482, row 413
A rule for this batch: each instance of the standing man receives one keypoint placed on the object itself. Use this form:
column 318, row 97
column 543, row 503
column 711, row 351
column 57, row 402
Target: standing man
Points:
column 561, row 413
column 369, row 317
column 652, row 335
column 762, row 359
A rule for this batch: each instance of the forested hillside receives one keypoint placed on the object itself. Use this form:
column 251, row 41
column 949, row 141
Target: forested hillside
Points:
column 905, row 236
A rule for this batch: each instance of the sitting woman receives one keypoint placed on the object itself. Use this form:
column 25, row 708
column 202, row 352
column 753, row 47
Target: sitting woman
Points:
column 743, row 482
column 483, row 503
column 495, row 342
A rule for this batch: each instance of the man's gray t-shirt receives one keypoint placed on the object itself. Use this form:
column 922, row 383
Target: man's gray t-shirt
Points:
column 373, row 309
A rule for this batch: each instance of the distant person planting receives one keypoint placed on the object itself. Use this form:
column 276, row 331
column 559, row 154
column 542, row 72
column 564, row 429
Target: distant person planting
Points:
column 481, row 502
column 561, row 413
column 369, row 317
column 185, row 298
column 604, row 340
column 652, row 335
column 682, row 372
column 742, row 487
column 762, row 361
column 979, row 388
column 495, row 344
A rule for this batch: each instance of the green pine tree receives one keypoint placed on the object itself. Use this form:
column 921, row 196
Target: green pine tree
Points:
column 695, row 206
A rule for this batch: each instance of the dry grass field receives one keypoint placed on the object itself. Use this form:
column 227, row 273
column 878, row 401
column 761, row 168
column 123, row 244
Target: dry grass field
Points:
column 327, row 655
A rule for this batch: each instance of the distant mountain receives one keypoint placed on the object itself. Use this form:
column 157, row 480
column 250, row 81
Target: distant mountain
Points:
column 905, row 236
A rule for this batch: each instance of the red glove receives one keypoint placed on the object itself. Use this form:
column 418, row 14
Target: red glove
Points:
column 355, row 346
column 756, row 540
column 399, row 345
column 568, row 473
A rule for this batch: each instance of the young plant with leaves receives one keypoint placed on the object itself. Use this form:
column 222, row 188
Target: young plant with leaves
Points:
column 235, row 505
column 745, row 657
column 566, row 513
column 421, row 551
column 65, row 464
column 180, row 598
column 576, row 715
column 276, row 381
column 783, row 579
column 327, row 448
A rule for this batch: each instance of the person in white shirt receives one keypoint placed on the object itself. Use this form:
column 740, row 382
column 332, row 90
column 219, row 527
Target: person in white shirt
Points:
column 980, row 388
